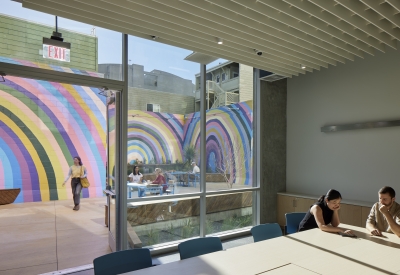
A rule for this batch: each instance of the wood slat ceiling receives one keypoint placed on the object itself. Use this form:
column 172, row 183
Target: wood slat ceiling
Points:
column 295, row 36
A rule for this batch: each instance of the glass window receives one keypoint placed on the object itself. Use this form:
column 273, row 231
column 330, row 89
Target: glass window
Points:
column 158, row 223
column 235, row 74
column 229, row 127
column 153, row 108
column 223, row 76
column 161, row 140
column 162, row 143
column 229, row 212
column 217, row 78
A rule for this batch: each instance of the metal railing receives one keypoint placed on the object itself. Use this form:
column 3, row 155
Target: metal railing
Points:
column 216, row 96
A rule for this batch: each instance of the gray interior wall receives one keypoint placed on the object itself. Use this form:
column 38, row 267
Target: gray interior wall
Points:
column 357, row 162
column 273, row 146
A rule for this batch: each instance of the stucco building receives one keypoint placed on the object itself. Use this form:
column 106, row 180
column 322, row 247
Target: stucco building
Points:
column 155, row 91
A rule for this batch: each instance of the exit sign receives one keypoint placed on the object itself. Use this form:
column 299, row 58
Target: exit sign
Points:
column 56, row 53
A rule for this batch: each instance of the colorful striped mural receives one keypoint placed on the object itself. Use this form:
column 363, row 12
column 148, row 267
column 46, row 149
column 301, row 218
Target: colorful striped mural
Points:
column 160, row 137
column 229, row 139
column 154, row 137
column 43, row 125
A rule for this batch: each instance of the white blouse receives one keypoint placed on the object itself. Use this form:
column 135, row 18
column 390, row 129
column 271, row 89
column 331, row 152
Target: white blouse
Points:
column 136, row 178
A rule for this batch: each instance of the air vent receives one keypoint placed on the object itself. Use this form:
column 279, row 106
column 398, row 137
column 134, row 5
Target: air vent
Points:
column 272, row 77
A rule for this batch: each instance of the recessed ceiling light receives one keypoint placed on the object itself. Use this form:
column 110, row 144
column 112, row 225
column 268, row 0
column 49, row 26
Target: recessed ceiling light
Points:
column 220, row 41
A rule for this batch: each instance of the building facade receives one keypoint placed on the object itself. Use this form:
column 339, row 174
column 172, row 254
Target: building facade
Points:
column 226, row 84
column 155, row 91
column 22, row 39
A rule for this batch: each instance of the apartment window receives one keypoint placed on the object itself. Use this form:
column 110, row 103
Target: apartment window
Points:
column 235, row 74
column 217, row 79
column 223, row 77
column 153, row 107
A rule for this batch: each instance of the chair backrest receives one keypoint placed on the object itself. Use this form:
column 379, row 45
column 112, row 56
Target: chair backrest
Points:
column 122, row 261
column 197, row 247
column 292, row 221
column 266, row 231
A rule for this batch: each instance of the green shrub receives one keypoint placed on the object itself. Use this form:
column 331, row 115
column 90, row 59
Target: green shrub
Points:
column 153, row 236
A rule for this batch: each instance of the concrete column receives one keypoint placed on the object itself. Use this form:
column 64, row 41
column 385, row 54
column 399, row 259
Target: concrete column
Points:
column 273, row 97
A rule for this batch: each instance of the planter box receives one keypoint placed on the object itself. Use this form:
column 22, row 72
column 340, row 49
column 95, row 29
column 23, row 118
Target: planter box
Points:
column 8, row 196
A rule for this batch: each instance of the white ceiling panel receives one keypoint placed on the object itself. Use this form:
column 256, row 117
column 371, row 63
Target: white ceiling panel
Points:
column 291, row 33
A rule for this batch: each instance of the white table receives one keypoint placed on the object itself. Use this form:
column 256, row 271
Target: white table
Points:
column 309, row 252
column 142, row 187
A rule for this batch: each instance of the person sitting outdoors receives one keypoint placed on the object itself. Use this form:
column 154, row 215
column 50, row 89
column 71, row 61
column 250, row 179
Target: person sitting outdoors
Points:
column 135, row 176
column 385, row 214
column 160, row 179
column 196, row 170
column 324, row 214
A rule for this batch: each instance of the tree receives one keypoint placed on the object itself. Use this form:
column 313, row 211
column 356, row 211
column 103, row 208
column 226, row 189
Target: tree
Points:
column 190, row 153
column 233, row 161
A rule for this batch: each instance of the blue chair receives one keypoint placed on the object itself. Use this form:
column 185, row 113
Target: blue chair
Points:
column 169, row 188
column 266, row 231
column 194, row 178
column 197, row 247
column 122, row 261
column 292, row 221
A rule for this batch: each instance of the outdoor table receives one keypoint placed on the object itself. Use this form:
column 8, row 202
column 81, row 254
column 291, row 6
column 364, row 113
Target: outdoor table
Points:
column 144, row 187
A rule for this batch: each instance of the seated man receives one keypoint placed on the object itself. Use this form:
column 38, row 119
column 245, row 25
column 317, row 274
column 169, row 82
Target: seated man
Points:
column 385, row 214
column 196, row 170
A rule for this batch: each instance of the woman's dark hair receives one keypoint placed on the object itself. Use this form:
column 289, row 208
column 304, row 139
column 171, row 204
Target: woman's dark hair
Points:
column 331, row 195
column 134, row 170
column 80, row 161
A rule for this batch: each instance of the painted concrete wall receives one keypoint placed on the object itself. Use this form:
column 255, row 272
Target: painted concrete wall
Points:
column 162, row 136
column 273, row 146
column 22, row 39
column 357, row 162
column 43, row 126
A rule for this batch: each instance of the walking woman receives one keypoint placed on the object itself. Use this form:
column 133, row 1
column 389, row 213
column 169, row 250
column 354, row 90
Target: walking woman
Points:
column 76, row 172
column 324, row 214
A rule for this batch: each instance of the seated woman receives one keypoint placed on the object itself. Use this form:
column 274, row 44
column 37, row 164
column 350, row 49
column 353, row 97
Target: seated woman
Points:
column 324, row 214
column 160, row 179
column 136, row 176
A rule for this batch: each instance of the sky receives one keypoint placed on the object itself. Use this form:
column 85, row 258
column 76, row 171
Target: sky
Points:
column 152, row 55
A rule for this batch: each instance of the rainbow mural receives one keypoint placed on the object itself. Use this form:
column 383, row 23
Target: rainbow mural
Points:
column 43, row 125
column 155, row 137
column 229, row 135
column 160, row 137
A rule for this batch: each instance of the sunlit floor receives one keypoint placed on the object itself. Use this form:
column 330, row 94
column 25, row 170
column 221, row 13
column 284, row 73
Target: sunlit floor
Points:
column 43, row 237
column 47, row 236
